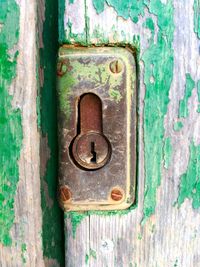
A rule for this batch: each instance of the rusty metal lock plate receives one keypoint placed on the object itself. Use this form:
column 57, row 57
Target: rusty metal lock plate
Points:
column 96, row 128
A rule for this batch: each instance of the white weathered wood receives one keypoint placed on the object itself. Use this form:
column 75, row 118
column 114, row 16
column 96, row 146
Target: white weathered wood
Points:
column 26, row 230
column 75, row 255
column 170, row 237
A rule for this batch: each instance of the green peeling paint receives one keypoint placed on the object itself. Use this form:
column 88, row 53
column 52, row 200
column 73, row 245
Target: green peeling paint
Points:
column 99, row 5
column 136, row 45
column 167, row 152
column 53, row 228
column 178, row 126
column 196, row 8
column 73, row 36
column 76, row 218
column 183, row 104
column 23, row 252
column 198, row 93
column 126, row 9
column 10, row 119
column 198, row 108
column 158, row 61
column 190, row 180
column 86, row 259
column 198, row 90
column 149, row 24
column 92, row 253
column 99, row 34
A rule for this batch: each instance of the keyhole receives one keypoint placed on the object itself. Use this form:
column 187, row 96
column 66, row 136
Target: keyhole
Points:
column 94, row 154
column 91, row 149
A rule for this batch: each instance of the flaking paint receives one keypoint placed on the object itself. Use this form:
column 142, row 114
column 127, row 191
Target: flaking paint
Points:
column 198, row 93
column 92, row 253
column 178, row 126
column 157, row 99
column 198, row 90
column 74, row 36
column 10, row 119
column 167, row 152
column 23, row 253
column 190, row 180
column 196, row 8
column 125, row 9
column 183, row 104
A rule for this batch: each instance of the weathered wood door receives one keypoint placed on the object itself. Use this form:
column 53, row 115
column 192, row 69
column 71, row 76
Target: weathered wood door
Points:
column 162, row 229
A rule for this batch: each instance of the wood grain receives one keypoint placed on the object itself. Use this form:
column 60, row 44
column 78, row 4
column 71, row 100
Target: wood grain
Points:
column 170, row 237
column 26, row 248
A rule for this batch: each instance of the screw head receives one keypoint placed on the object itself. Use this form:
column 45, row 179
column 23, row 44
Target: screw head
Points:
column 116, row 66
column 116, row 194
column 65, row 194
column 63, row 67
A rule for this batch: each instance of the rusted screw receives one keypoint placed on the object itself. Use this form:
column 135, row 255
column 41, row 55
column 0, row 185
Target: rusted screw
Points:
column 61, row 68
column 65, row 194
column 116, row 66
column 116, row 194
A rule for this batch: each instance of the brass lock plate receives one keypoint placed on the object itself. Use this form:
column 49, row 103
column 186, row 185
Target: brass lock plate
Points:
column 96, row 128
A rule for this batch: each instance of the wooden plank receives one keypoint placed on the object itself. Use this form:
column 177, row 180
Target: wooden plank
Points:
column 20, row 207
column 162, row 229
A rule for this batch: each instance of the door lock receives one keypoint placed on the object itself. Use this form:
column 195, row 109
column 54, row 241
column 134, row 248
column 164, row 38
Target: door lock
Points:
column 97, row 128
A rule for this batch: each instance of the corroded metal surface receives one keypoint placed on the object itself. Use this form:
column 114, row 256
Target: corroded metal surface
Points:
column 110, row 74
